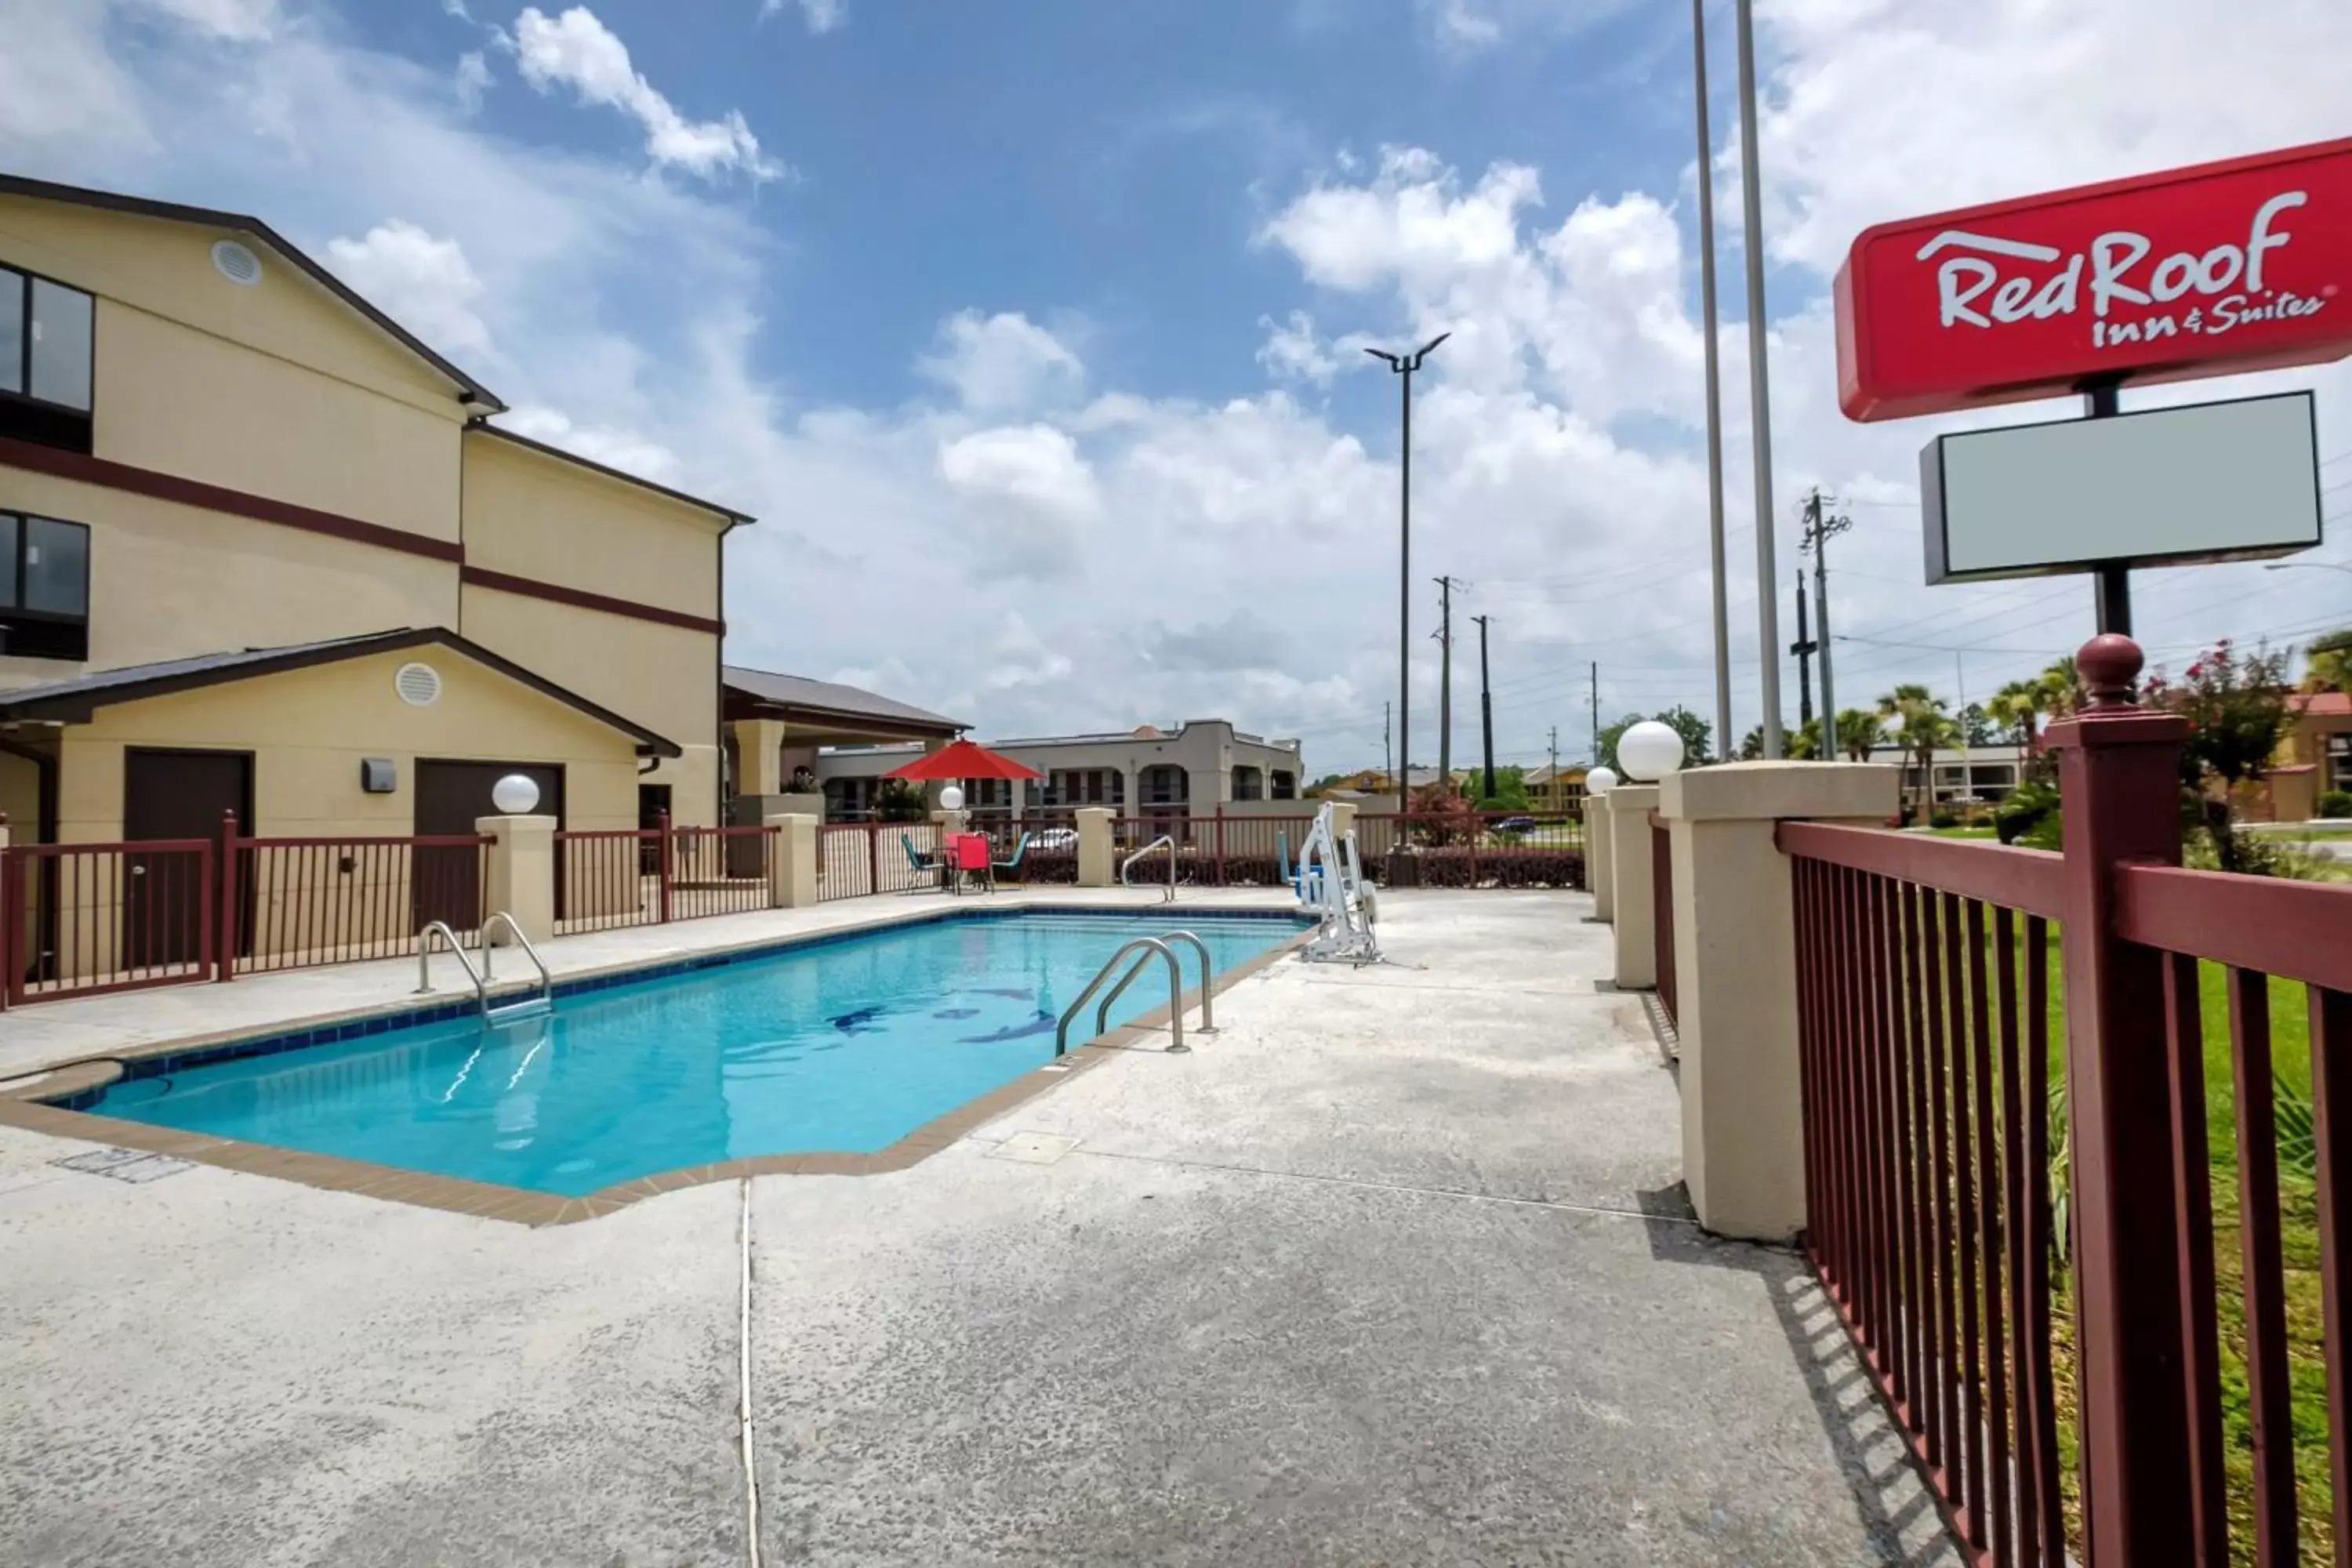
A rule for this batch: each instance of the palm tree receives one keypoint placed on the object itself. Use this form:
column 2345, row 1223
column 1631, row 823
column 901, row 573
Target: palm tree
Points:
column 2018, row 706
column 1859, row 731
column 1927, row 724
column 2060, row 688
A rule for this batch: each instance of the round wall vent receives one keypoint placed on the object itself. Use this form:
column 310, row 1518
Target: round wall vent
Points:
column 235, row 262
column 419, row 685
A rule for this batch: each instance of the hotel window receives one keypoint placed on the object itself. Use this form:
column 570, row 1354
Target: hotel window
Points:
column 45, row 361
column 43, row 588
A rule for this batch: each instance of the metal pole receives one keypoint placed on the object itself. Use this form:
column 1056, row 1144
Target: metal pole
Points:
column 1830, row 753
column 1596, row 713
column 1445, row 682
column 1759, row 390
column 1404, row 597
column 1486, row 706
column 2112, row 598
column 1714, row 382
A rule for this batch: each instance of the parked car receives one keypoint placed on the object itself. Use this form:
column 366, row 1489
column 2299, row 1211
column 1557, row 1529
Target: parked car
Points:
column 1055, row 838
column 1513, row 825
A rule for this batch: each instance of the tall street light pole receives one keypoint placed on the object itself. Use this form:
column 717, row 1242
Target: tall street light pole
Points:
column 1759, row 389
column 1714, row 382
column 1403, row 367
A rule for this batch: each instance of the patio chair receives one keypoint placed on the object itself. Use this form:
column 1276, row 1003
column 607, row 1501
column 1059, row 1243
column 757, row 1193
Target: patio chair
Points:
column 1012, row 862
column 926, row 863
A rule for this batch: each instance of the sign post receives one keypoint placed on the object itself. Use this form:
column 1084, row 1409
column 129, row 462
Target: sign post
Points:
column 2210, row 271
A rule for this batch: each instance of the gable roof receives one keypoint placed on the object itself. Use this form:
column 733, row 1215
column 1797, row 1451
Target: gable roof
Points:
column 74, row 702
column 831, row 699
column 471, row 391
column 484, row 428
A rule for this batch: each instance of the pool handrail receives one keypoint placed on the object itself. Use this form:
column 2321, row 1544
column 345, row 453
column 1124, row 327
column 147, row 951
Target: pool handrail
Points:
column 1147, row 945
column 1208, row 1018
column 1128, row 864
column 514, row 928
column 425, row 961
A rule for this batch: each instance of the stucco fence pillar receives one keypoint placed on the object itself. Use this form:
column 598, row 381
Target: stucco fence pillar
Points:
column 1735, row 944
column 792, row 868
column 1632, row 917
column 1095, row 851
column 1596, row 857
column 520, row 876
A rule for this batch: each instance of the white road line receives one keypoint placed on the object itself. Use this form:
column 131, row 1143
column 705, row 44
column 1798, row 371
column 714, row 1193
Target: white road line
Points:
column 743, row 1405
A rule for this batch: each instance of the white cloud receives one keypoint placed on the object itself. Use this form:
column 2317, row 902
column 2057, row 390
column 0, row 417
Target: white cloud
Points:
column 1292, row 351
column 1001, row 363
column 623, row 450
column 577, row 50
column 241, row 20
column 819, row 16
column 421, row 281
column 473, row 78
column 1027, row 496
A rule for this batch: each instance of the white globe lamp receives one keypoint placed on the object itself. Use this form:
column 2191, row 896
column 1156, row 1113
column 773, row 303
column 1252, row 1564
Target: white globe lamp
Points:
column 514, row 796
column 1600, row 781
column 1650, row 751
column 952, row 798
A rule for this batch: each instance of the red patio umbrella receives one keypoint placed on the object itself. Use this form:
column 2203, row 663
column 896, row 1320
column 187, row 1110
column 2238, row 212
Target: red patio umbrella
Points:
column 963, row 760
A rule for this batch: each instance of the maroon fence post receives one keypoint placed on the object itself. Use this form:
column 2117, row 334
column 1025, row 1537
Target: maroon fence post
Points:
column 225, row 929
column 667, row 868
column 2119, row 787
column 12, row 925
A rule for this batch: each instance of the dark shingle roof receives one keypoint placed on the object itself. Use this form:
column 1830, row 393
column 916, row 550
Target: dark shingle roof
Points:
column 833, row 697
column 73, row 701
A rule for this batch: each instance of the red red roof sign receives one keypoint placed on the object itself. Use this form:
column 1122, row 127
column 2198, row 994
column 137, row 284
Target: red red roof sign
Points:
column 2200, row 271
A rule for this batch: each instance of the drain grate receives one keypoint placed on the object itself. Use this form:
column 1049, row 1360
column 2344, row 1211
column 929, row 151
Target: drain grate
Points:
column 123, row 1164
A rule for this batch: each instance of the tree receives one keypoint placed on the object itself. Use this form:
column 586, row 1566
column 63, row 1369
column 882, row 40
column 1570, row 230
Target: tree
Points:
column 2017, row 708
column 2329, row 658
column 1860, row 732
column 2060, row 687
column 2236, row 710
column 1927, row 725
column 1607, row 743
column 898, row 801
column 1696, row 732
column 1799, row 744
column 1976, row 727
column 1510, row 791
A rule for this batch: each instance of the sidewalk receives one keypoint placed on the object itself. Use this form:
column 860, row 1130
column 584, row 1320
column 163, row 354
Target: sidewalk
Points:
column 1392, row 1269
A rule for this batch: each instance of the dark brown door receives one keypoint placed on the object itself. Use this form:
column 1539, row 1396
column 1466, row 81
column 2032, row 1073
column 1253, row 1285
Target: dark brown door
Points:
column 176, row 795
column 653, row 810
column 445, row 884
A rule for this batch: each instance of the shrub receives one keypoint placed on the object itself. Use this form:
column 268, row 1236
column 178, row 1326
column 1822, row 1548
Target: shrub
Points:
column 2336, row 803
column 2026, row 808
column 1939, row 817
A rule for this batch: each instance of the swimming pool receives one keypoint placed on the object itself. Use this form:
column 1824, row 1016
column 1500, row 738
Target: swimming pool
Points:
column 843, row 1045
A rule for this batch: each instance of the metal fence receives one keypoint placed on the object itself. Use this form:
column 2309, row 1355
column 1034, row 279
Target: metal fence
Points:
column 77, row 919
column 2203, row 1389
column 721, row 870
column 856, row 860
column 609, row 879
column 293, row 903
column 1662, row 912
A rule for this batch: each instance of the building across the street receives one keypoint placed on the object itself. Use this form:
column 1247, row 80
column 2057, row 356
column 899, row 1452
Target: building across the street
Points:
column 2313, row 758
column 263, row 551
column 1962, row 774
column 1558, row 791
column 1149, row 772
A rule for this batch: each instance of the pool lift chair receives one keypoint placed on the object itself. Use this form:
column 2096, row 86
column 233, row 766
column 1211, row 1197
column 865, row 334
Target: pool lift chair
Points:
column 1332, row 887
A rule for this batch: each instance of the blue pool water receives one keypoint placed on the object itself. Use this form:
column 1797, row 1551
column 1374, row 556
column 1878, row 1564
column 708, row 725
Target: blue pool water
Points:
column 846, row 1046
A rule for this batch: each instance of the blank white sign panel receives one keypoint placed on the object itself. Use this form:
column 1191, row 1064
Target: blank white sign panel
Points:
column 2213, row 481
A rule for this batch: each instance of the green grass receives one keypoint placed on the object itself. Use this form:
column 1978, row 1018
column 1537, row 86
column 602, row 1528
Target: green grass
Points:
column 2299, row 1236
column 1963, row 832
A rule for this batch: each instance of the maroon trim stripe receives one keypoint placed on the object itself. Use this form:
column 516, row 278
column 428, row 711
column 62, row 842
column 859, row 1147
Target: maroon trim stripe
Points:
column 579, row 598
column 114, row 475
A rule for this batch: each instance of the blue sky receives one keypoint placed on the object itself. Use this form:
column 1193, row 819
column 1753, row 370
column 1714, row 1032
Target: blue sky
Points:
column 1031, row 332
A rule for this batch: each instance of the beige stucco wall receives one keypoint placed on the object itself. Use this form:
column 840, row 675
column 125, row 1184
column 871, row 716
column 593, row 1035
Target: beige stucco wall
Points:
column 537, row 516
column 180, row 401
column 310, row 729
column 665, row 677
column 169, row 581
column 165, row 268
column 20, row 797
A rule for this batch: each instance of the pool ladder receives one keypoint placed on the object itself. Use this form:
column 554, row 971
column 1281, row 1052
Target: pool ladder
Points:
column 1128, row 865
column 1145, row 947
column 536, row 1004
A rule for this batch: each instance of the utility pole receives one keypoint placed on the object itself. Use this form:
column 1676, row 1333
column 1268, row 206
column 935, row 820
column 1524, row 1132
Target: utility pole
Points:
column 1803, row 647
column 1486, row 707
column 1820, row 529
column 1445, row 682
column 1596, row 713
column 1388, row 755
column 1759, row 384
column 1714, row 384
column 1553, row 746
column 1403, row 367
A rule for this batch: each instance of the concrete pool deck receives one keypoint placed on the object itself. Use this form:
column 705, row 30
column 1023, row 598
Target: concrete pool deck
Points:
column 1392, row 1269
